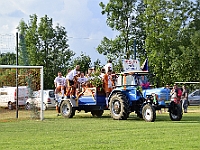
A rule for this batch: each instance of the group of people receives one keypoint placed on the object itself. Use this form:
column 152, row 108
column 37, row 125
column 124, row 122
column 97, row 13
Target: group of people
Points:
column 75, row 80
column 178, row 95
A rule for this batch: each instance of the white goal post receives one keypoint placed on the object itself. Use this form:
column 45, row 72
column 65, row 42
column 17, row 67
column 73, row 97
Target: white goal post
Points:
column 41, row 81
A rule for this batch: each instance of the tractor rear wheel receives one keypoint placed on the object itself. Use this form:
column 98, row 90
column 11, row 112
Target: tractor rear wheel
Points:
column 66, row 109
column 97, row 113
column 175, row 112
column 148, row 113
column 119, row 107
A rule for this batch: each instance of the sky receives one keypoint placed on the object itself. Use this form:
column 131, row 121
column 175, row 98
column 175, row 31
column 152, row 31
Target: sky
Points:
column 82, row 19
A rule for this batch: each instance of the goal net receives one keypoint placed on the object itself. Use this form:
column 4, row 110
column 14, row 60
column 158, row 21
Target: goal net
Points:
column 18, row 86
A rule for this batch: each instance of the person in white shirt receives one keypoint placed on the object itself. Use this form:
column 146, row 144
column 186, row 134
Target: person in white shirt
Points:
column 81, row 81
column 71, row 80
column 103, row 72
column 59, row 83
column 108, row 66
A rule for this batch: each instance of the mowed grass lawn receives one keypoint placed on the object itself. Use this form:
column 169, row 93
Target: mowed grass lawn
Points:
column 83, row 132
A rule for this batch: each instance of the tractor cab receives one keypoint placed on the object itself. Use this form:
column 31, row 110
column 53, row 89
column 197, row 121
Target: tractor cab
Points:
column 132, row 78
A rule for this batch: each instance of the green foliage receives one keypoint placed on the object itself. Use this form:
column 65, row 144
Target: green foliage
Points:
column 168, row 41
column 167, row 32
column 44, row 45
column 84, row 62
column 124, row 17
column 7, row 59
column 96, row 80
column 97, row 65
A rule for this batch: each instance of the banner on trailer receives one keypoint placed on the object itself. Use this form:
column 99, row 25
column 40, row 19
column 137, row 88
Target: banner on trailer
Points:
column 130, row 65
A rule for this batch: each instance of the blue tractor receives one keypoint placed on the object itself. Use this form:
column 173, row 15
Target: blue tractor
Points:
column 125, row 98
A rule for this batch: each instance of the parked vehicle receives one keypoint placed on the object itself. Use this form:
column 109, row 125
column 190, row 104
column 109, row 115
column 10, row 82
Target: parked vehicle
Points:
column 8, row 96
column 48, row 99
column 194, row 98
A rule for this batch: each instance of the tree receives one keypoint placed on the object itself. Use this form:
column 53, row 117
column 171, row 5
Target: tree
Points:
column 166, row 23
column 84, row 62
column 124, row 17
column 7, row 76
column 97, row 65
column 166, row 33
column 7, row 59
column 23, row 54
column 45, row 46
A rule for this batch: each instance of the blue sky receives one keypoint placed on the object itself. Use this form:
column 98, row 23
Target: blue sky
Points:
column 82, row 19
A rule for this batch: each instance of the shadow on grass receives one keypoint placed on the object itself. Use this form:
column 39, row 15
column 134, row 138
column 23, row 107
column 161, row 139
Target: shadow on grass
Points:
column 185, row 119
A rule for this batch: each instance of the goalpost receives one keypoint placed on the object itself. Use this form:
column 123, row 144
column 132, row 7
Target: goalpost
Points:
column 41, row 81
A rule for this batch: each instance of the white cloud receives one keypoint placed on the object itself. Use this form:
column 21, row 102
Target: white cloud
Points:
column 81, row 18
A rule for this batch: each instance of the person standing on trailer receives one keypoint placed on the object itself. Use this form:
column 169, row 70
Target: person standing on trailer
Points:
column 108, row 66
column 81, row 81
column 71, row 80
column 107, row 85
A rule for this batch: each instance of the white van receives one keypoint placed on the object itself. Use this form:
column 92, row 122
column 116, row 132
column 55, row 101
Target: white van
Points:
column 8, row 96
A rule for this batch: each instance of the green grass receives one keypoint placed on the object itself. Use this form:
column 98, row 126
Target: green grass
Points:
column 85, row 132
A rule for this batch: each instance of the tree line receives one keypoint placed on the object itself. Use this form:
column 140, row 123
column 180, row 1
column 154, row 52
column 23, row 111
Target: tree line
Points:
column 167, row 32
column 41, row 44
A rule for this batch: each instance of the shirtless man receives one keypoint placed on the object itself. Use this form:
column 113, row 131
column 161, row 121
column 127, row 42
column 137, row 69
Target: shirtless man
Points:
column 59, row 83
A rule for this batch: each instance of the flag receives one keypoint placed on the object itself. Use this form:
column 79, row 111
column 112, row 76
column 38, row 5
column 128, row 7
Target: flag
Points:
column 144, row 66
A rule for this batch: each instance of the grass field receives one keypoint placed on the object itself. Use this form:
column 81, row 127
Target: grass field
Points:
column 87, row 133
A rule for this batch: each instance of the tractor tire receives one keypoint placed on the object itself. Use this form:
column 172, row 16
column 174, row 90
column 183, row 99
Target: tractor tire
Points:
column 97, row 113
column 148, row 113
column 175, row 112
column 66, row 109
column 119, row 107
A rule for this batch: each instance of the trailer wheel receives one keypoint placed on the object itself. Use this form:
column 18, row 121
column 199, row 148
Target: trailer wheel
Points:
column 97, row 113
column 175, row 112
column 148, row 113
column 119, row 107
column 66, row 109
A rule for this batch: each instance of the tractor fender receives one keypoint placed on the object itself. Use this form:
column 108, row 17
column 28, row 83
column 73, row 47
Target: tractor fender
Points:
column 114, row 92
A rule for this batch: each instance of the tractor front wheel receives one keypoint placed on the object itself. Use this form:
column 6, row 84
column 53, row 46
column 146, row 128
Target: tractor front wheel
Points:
column 148, row 113
column 175, row 112
column 66, row 109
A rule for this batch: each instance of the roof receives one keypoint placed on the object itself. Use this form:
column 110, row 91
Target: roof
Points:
column 187, row 82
